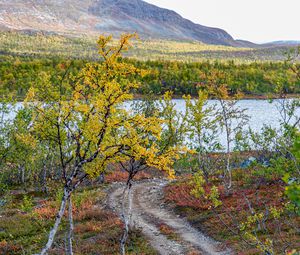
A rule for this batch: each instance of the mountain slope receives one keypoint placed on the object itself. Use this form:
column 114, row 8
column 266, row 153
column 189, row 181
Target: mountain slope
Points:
column 153, row 21
column 282, row 43
column 110, row 16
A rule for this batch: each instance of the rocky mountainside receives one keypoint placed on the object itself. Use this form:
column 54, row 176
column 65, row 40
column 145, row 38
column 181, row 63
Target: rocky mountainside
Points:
column 106, row 16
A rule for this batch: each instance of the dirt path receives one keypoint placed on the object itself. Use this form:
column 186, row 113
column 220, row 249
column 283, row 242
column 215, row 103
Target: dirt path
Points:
column 148, row 212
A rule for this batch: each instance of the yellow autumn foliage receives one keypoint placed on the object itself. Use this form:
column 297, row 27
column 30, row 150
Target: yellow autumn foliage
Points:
column 85, row 118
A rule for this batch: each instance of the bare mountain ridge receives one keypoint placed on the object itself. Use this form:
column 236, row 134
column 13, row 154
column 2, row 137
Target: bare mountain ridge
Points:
column 107, row 16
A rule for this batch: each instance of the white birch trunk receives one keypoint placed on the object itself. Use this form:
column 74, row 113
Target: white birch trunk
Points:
column 57, row 223
column 71, row 228
column 125, row 217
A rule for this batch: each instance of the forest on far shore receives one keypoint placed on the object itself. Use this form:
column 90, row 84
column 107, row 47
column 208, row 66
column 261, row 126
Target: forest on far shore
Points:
column 254, row 80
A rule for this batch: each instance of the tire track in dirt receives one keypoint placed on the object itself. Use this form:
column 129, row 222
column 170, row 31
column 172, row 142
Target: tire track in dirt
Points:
column 148, row 211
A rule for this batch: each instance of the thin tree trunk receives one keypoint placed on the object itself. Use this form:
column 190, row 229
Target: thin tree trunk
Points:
column 125, row 217
column 71, row 228
column 202, row 166
column 225, row 116
column 44, row 180
column 130, row 206
column 229, row 171
column 102, row 178
column 22, row 174
column 228, row 160
column 57, row 222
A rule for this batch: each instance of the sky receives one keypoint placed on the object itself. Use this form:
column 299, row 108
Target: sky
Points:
column 258, row 21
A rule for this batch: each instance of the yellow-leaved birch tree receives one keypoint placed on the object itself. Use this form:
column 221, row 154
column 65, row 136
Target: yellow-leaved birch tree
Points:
column 84, row 119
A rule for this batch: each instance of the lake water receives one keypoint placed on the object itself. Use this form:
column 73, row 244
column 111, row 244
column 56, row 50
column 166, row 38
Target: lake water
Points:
column 261, row 112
